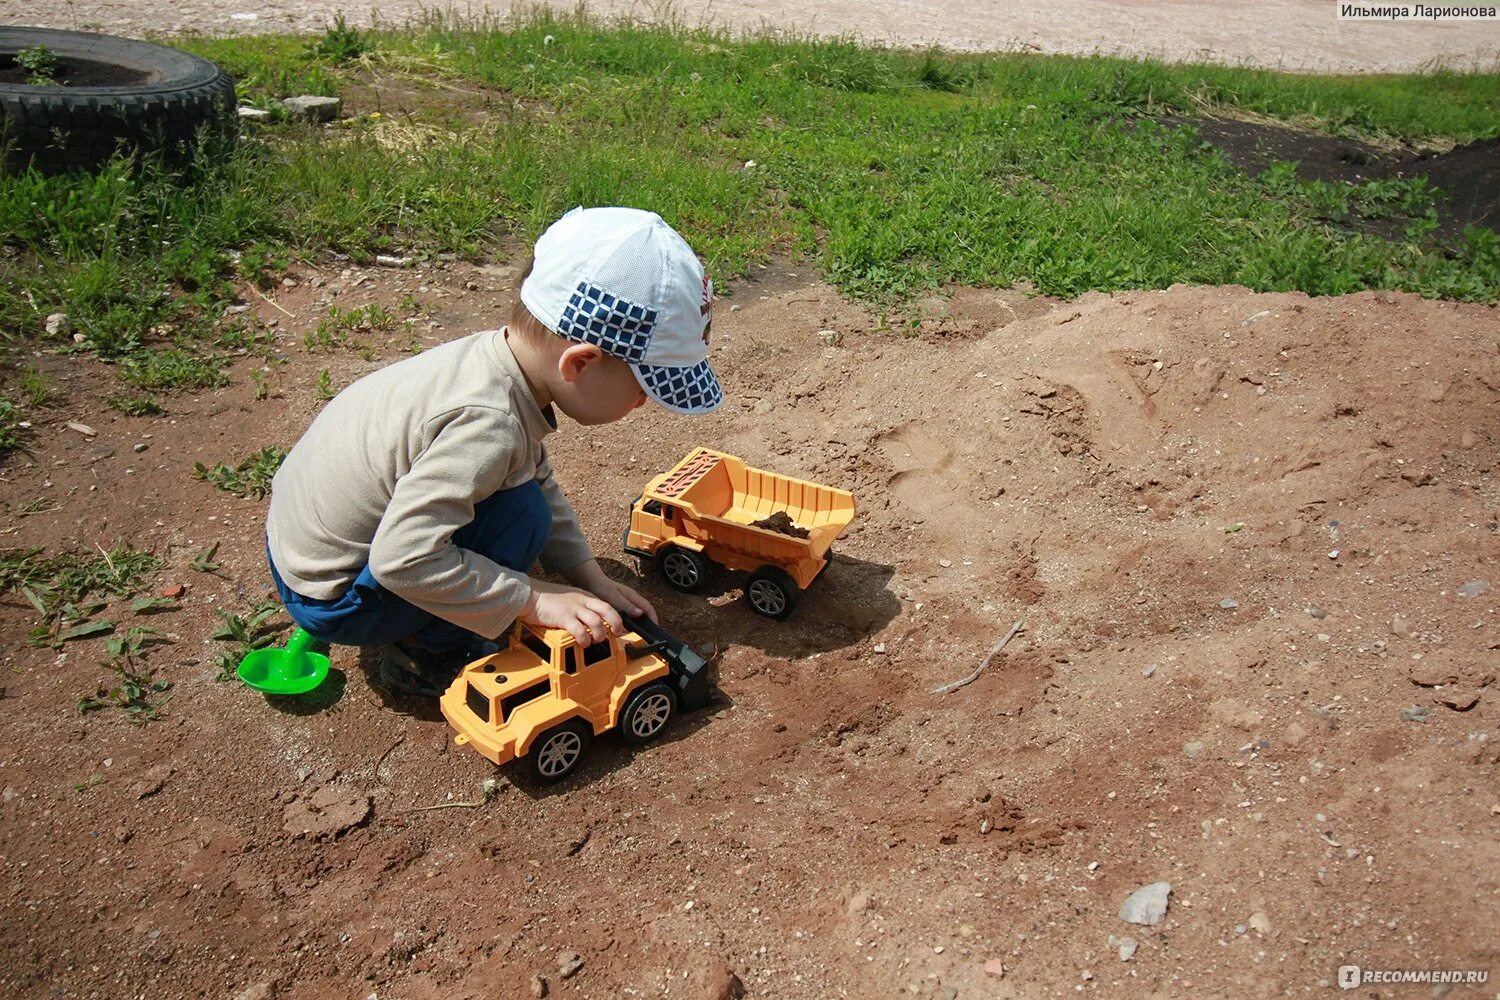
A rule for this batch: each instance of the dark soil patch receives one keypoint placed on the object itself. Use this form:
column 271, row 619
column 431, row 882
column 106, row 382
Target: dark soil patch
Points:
column 74, row 73
column 782, row 523
column 1469, row 176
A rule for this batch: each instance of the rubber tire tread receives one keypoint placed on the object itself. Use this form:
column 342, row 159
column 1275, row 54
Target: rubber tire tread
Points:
column 59, row 129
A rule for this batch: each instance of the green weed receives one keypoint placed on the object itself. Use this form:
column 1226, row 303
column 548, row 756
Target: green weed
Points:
column 135, row 406
column 69, row 588
column 40, row 64
column 325, row 386
column 11, row 419
column 38, row 392
column 247, row 633
column 137, row 693
column 340, row 43
column 173, row 369
column 203, row 562
column 251, row 478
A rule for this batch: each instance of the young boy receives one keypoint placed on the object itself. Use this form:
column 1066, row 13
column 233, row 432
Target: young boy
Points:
column 413, row 508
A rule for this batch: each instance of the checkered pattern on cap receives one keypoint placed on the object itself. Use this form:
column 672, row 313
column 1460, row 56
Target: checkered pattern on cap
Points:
column 692, row 389
column 619, row 326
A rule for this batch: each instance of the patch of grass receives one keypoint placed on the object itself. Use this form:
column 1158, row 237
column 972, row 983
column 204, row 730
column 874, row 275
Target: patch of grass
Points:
column 325, row 386
column 136, row 406
column 39, row 394
column 895, row 171
column 251, row 478
column 75, row 575
column 11, row 419
column 337, row 329
column 69, row 588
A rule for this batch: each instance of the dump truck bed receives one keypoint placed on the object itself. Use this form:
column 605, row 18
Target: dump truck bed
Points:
column 710, row 486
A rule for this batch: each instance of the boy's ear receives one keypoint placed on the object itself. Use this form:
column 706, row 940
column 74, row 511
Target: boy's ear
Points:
column 572, row 362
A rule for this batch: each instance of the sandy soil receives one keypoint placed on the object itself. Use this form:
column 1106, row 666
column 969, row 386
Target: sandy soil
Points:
column 1283, row 34
column 1235, row 526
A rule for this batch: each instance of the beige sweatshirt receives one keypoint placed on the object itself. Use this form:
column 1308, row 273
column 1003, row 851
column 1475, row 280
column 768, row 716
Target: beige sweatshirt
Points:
column 395, row 464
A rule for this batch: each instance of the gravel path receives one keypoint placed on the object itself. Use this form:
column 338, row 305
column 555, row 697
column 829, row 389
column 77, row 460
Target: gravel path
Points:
column 1285, row 34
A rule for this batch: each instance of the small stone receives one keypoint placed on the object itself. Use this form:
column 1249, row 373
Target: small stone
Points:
column 152, row 781
column 1193, row 749
column 735, row 307
column 539, row 986
column 880, row 648
column 1400, row 626
column 260, row 991
column 1460, row 699
column 303, row 773
column 1468, row 439
column 722, row 984
column 389, row 260
column 79, row 338
column 1317, row 613
column 1229, row 604
column 1260, row 923
column 569, row 964
column 288, row 282
column 831, row 338
column 1471, row 589
column 1147, row 905
column 858, row 903
column 174, row 590
column 1432, row 671
column 945, row 563
column 763, row 406
column 57, row 324
column 139, row 447
column 1416, row 713
column 1149, row 670
column 995, row 967
column 1126, row 946
column 250, row 114
column 313, row 108
column 83, row 429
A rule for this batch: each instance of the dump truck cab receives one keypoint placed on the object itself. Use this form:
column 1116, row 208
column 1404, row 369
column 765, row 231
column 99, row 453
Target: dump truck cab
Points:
column 544, row 696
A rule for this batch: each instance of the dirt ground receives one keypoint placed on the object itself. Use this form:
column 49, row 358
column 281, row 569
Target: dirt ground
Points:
column 1279, row 34
column 1234, row 525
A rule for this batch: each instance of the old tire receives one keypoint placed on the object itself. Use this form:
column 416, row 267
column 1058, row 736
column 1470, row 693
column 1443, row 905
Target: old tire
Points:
column 683, row 569
column 771, row 592
column 647, row 713
column 127, row 94
column 557, row 752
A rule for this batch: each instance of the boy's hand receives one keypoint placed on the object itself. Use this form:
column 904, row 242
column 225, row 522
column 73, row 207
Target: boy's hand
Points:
column 591, row 578
column 587, row 618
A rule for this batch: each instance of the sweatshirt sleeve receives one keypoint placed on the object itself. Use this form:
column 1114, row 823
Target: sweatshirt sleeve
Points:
column 566, row 547
column 413, row 554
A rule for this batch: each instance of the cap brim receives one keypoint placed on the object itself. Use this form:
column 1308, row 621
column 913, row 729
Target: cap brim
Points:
column 693, row 389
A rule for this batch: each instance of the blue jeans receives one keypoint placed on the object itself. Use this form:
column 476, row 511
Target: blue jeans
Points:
column 509, row 528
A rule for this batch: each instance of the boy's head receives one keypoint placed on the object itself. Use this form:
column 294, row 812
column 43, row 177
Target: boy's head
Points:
column 629, row 294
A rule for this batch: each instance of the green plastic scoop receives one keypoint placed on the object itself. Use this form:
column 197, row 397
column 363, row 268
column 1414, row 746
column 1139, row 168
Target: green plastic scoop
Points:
column 293, row 670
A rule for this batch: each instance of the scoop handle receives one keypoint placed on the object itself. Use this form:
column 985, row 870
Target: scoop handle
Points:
column 300, row 643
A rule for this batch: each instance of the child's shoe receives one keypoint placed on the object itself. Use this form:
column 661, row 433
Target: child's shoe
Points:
column 413, row 670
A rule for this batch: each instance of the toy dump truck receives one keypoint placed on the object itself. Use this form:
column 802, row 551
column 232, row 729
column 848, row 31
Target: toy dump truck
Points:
column 543, row 697
column 713, row 508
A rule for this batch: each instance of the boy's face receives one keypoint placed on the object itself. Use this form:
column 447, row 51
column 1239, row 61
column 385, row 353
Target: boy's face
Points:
column 594, row 387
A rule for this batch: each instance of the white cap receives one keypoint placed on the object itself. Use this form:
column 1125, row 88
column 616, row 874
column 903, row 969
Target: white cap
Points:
column 625, row 281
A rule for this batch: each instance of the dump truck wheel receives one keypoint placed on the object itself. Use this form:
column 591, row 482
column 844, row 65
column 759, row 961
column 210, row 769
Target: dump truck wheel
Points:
column 109, row 93
column 771, row 592
column 683, row 569
column 647, row 713
column 557, row 751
